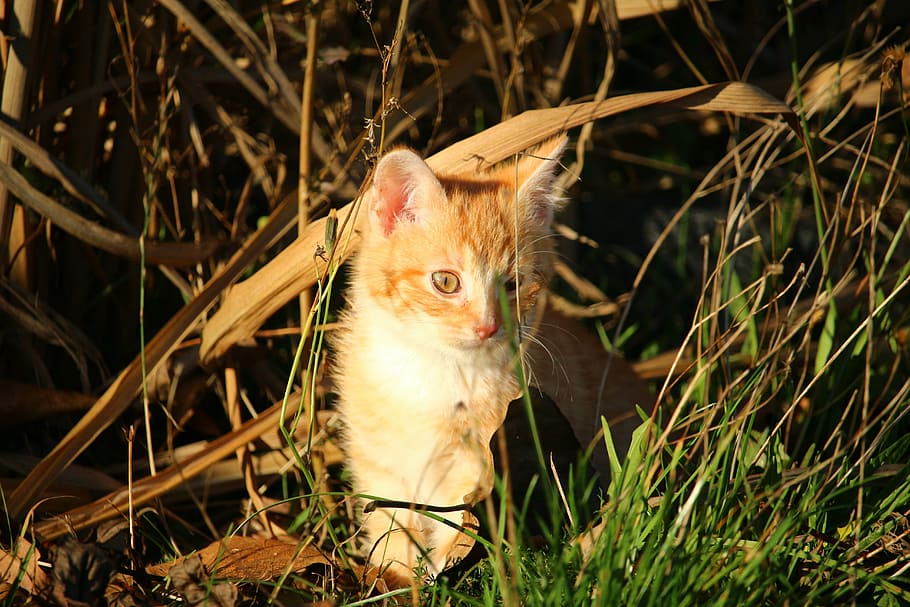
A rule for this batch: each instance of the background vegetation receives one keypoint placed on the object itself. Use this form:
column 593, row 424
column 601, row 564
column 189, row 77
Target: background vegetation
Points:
column 755, row 272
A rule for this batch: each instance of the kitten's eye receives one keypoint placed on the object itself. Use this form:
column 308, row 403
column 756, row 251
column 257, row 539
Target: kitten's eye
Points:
column 510, row 286
column 446, row 282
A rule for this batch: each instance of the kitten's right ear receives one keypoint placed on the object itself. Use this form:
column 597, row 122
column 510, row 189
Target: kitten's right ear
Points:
column 404, row 188
column 536, row 176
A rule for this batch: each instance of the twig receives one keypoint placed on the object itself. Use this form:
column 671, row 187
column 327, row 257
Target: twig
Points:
column 242, row 453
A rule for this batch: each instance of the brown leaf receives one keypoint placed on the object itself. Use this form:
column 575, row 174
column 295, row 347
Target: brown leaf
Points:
column 243, row 558
column 84, row 569
column 20, row 573
column 463, row 542
column 588, row 539
column 249, row 558
column 123, row 592
column 500, row 142
column 190, row 579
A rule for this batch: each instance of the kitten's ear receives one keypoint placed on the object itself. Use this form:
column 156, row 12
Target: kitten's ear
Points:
column 404, row 189
column 536, row 176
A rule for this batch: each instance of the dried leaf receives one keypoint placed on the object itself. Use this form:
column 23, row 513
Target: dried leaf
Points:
column 588, row 539
column 500, row 142
column 19, row 572
column 84, row 569
column 463, row 542
column 190, row 579
column 629, row 9
column 249, row 558
column 123, row 592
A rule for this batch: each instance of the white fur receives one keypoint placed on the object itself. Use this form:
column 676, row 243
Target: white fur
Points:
column 437, row 451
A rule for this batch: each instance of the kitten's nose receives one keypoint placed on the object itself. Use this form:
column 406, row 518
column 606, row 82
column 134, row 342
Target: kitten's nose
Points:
column 486, row 330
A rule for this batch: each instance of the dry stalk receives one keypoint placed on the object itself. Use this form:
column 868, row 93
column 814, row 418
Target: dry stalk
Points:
column 13, row 104
column 244, row 459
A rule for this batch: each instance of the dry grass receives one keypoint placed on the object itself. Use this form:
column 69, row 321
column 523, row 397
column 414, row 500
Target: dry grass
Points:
column 151, row 272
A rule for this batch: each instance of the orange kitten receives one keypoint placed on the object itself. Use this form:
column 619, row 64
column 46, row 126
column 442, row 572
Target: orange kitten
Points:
column 425, row 368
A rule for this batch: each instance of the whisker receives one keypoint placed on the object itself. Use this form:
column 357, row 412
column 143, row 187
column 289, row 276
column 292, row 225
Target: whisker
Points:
column 555, row 361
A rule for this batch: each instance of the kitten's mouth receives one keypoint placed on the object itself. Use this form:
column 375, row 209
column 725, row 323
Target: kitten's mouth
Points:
column 486, row 343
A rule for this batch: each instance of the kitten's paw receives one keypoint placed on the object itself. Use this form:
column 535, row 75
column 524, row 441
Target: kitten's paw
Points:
column 397, row 575
column 396, row 550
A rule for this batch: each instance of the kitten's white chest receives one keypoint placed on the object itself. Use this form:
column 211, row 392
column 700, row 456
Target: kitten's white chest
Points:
column 420, row 401
column 418, row 421
column 434, row 383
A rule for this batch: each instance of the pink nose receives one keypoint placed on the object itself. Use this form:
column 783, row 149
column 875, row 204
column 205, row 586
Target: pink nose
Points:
column 486, row 330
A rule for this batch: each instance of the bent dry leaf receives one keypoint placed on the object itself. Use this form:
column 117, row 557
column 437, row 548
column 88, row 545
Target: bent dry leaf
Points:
column 258, row 559
column 250, row 303
column 191, row 580
column 529, row 128
column 20, row 573
column 248, row 558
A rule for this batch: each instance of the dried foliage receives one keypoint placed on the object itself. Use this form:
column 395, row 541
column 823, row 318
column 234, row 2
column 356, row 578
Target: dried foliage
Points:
column 179, row 185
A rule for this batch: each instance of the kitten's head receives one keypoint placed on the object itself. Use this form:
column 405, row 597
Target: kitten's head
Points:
column 442, row 252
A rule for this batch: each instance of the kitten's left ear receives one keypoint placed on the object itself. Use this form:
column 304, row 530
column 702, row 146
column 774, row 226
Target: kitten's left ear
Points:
column 404, row 190
column 536, row 174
